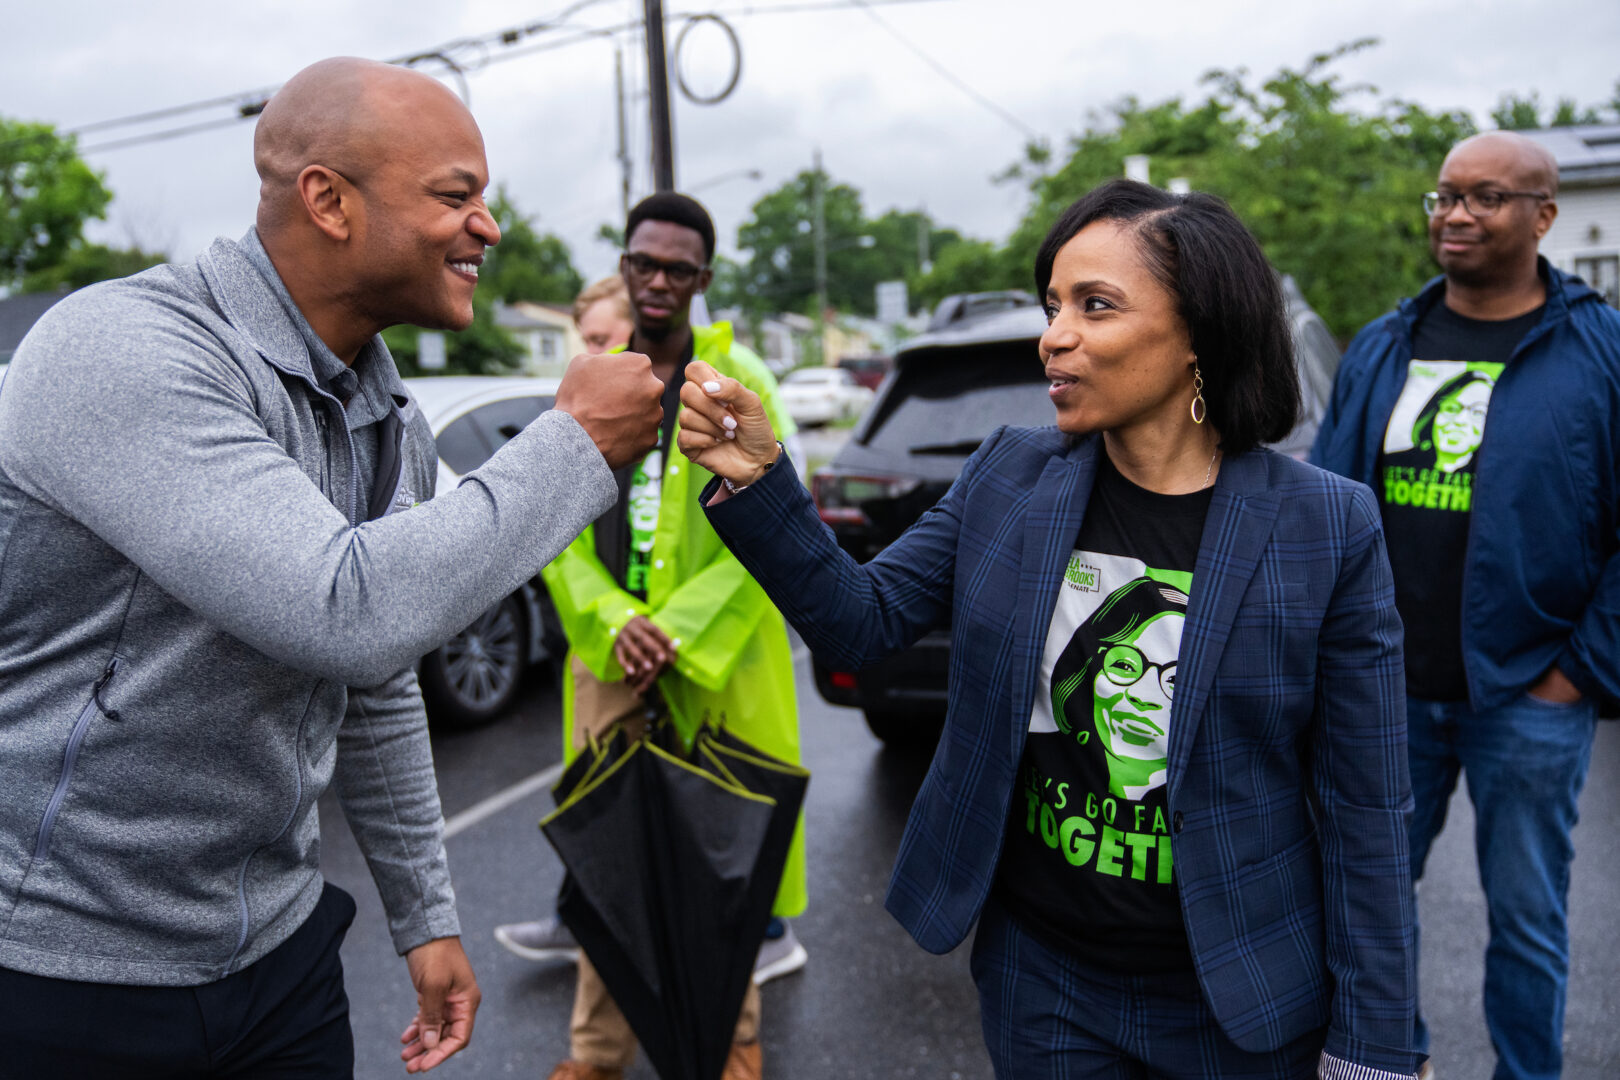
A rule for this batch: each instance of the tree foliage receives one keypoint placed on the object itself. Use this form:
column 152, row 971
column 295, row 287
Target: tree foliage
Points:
column 861, row 251
column 527, row 264
column 85, row 264
column 1331, row 191
column 47, row 193
column 1523, row 112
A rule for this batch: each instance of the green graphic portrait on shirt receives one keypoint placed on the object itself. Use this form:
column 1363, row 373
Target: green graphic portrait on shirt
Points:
column 1114, row 681
column 1434, row 431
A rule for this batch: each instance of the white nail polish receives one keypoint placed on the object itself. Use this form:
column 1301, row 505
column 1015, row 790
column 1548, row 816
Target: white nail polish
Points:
column 730, row 422
column 731, row 434
column 711, row 387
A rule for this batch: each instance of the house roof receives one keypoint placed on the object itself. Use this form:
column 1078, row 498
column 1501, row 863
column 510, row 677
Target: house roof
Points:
column 18, row 314
column 525, row 315
column 1587, row 155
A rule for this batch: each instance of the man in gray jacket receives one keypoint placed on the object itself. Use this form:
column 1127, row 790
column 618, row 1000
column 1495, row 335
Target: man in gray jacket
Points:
column 217, row 567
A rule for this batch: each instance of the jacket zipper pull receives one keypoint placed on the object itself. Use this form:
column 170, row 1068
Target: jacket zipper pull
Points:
column 101, row 684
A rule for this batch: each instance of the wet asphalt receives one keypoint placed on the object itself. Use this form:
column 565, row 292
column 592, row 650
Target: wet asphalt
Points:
column 870, row 1003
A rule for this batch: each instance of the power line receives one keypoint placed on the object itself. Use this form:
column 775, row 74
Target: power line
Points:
column 946, row 73
column 461, row 56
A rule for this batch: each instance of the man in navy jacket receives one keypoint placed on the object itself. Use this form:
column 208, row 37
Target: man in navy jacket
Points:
column 1485, row 415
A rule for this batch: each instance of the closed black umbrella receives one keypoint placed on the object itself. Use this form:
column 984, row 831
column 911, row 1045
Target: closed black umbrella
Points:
column 672, row 866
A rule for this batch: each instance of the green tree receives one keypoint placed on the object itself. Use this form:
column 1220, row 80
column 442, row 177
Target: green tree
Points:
column 1522, row 112
column 527, row 264
column 779, row 237
column 964, row 267
column 779, row 274
column 1332, row 192
column 85, row 264
column 47, row 193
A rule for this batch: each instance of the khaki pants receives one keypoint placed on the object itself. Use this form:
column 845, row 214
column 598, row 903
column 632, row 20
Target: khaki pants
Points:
column 598, row 1033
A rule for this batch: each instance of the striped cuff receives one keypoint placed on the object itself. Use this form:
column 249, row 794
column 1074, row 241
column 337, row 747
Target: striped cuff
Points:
column 1332, row 1068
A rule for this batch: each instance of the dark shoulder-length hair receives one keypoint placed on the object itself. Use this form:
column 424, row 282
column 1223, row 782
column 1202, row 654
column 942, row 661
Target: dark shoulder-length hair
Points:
column 1227, row 294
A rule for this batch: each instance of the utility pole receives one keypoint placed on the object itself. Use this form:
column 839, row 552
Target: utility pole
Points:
column 818, row 231
column 624, row 145
column 924, row 262
column 663, row 140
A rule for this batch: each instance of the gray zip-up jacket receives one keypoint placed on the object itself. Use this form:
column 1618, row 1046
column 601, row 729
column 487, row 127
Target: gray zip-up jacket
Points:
column 197, row 569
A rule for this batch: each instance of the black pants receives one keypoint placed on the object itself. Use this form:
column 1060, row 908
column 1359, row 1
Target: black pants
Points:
column 285, row 1016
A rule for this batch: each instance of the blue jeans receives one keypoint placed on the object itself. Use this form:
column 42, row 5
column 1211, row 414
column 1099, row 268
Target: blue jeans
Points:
column 1526, row 763
column 1046, row 1016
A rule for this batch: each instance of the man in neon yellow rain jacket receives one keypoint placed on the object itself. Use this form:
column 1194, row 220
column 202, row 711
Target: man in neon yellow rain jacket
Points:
column 650, row 598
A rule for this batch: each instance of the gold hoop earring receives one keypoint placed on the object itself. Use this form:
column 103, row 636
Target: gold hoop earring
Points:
column 1199, row 409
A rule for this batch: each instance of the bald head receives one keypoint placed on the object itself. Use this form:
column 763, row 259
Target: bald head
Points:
column 371, row 200
column 346, row 114
column 1521, row 162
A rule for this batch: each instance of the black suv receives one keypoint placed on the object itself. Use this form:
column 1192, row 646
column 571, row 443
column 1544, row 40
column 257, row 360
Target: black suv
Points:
column 975, row 369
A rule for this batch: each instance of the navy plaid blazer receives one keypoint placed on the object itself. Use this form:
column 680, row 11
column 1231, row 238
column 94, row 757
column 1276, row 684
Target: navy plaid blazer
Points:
column 1287, row 787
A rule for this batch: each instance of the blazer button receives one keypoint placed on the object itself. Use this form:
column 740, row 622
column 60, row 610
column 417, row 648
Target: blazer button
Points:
column 1175, row 821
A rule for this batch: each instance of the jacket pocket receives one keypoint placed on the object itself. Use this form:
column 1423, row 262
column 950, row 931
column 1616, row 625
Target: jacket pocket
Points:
column 71, row 755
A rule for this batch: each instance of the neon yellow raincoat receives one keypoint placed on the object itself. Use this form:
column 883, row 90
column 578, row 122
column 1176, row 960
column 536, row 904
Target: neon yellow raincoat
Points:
column 732, row 658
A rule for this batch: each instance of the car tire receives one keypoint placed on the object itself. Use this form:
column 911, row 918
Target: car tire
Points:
column 476, row 675
column 905, row 729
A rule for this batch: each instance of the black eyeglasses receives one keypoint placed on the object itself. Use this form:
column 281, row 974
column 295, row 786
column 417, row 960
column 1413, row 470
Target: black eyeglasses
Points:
column 1480, row 204
column 1124, row 665
column 646, row 267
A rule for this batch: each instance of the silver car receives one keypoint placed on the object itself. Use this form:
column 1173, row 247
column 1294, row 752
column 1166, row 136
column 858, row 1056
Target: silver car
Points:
column 478, row 673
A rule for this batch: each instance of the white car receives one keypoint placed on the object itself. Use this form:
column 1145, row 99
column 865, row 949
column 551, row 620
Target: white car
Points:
column 822, row 395
column 476, row 675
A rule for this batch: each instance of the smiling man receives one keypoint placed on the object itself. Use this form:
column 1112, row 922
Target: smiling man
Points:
column 217, row 567
column 1483, row 414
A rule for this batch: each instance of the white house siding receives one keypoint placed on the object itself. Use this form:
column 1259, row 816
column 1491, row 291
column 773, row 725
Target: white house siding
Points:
column 1587, row 227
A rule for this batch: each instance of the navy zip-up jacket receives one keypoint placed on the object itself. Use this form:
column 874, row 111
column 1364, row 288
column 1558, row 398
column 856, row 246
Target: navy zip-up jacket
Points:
column 1541, row 579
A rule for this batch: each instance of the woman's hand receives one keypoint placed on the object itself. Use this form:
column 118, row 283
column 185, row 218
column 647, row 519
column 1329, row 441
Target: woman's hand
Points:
column 724, row 427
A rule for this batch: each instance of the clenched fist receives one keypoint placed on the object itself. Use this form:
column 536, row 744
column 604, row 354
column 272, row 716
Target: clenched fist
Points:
column 615, row 398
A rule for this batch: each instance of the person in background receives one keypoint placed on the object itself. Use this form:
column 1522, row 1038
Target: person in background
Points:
column 218, row 566
column 1483, row 413
column 659, row 615
column 602, row 315
column 1144, row 574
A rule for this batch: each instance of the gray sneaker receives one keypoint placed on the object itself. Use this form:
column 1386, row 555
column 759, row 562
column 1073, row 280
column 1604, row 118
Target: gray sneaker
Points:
column 779, row 956
column 543, row 939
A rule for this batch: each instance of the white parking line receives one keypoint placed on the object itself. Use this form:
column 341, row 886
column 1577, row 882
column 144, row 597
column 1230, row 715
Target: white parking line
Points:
column 521, row 790
column 501, row 800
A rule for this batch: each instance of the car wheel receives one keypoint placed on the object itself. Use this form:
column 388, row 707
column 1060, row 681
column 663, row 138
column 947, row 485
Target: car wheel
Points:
column 475, row 676
column 905, row 729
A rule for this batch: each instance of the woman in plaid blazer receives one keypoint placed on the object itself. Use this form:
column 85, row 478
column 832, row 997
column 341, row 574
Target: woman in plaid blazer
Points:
column 1248, row 712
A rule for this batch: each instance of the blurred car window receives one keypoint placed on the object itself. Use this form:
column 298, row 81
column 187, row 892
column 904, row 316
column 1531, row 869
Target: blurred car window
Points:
column 501, row 420
column 953, row 398
column 462, row 446
column 471, row 439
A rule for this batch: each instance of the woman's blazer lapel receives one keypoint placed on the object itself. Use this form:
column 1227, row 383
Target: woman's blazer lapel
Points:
column 1051, row 525
column 1241, row 514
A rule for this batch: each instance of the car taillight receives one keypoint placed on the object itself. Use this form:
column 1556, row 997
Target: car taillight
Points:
column 839, row 496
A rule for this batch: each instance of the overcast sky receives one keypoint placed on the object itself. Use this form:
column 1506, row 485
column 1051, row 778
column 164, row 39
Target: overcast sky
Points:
column 885, row 122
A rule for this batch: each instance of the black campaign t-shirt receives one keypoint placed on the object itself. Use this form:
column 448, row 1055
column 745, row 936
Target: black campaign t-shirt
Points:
column 1426, row 477
column 1086, row 863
